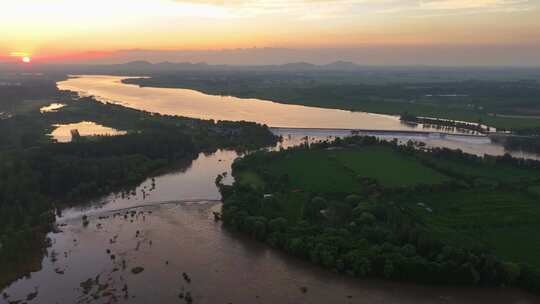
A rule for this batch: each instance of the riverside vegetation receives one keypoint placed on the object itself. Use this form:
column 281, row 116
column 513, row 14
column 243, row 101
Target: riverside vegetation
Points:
column 370, row 208
column 39, row 176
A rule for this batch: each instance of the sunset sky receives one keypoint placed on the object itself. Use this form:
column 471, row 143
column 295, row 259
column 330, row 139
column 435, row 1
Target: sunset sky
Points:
column 82, row 30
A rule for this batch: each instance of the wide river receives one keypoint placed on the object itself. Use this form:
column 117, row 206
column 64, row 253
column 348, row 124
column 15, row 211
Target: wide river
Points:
column 195, row 104
column 172, row 231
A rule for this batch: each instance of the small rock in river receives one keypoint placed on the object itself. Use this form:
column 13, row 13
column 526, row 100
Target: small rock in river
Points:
column 32, row 295
column 188, row 298
column 137, row 270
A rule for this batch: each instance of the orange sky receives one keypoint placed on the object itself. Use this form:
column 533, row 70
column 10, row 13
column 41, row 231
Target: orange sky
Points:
column 77, row 29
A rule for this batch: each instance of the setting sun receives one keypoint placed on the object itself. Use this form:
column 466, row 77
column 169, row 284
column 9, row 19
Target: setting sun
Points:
column 69, row 30
column 26, row 59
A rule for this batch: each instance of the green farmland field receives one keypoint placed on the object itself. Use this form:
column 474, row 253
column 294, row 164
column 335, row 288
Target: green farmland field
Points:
column 340, row 170
column 502, row 213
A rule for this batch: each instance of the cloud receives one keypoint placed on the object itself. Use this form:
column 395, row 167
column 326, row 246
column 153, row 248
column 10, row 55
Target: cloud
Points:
column 302, row 8
column 470, row 4
column 339, row 8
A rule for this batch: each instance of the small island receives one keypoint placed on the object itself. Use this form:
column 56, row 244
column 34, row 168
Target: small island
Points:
column 371, row 208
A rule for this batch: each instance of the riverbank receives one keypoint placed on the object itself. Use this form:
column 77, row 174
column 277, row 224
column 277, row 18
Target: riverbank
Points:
column 43, row 176
column 373, row 208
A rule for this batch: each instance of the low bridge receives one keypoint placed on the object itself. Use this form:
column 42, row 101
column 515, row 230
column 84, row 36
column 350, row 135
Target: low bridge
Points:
column 375, row 132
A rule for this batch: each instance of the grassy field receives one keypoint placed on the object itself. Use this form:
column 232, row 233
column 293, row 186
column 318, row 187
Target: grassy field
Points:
column 341, row 170
column 390, row 168
column 314, row 172
column 448, row 111
column 506, row 221
column 484, row 170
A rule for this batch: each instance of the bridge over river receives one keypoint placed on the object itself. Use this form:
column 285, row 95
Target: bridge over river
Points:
column 385, row 133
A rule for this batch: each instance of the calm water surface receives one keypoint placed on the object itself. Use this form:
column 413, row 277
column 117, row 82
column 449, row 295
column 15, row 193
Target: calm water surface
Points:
column 62, row 132
column 195, row 104
column 52, row 107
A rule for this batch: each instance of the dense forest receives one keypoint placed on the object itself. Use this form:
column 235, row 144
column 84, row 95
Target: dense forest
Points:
column 14, row 90
column 38, row 176
column 370, row 208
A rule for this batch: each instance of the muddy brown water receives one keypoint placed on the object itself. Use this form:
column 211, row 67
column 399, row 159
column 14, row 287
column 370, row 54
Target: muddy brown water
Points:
column 95, row 263
column 222, row 267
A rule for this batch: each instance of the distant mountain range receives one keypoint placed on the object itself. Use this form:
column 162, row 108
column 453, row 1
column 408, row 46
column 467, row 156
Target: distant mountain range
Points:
column 143, row 67
column 148, row 67
column 171, row 66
